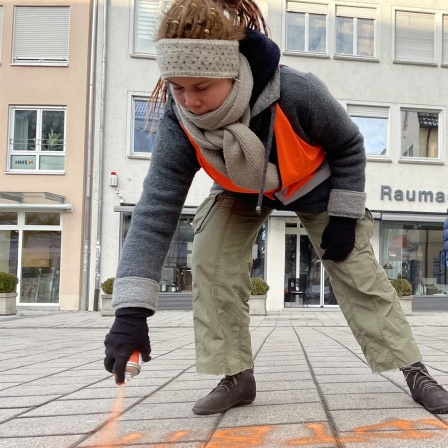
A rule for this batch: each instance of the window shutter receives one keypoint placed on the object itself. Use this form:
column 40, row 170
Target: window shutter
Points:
column 41, row 33
column 414, row 36
column 146, row 23
column 1, row 30
column 445, row 40
column 355, row 110
column 353, row 11
column 311, row 8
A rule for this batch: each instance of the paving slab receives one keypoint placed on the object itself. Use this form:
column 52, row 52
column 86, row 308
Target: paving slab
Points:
column 314, row 387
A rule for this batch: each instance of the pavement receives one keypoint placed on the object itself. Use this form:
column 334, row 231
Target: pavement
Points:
column 314, row 388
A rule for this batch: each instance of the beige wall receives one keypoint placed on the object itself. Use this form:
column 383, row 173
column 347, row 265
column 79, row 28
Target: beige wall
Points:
column 58, row 86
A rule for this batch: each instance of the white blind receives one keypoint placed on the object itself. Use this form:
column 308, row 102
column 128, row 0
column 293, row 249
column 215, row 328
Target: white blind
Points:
column 356, row 110
column 354, row 11
column 146, row 24
column 41, row 33
column 445, row 40
column 414, row 36
column 311, row 8
column 1, row 30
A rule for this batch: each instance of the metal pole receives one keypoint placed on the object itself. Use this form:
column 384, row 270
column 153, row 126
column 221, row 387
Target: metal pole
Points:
column 88, row 184
column 101, row 163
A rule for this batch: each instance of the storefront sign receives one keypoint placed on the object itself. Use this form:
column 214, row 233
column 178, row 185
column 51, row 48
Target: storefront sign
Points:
column 389, row 194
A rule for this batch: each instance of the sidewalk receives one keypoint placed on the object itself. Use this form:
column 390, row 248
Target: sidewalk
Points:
column 314, row 387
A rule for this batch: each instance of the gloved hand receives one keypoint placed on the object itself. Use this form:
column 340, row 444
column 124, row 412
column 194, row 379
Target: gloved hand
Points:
column 129, row 332
column 338, row 238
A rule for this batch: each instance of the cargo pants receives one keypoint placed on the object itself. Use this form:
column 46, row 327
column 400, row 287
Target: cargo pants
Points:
column 225, row 229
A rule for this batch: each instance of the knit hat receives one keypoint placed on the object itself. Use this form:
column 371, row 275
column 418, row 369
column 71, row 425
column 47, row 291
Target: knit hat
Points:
column 198, row 58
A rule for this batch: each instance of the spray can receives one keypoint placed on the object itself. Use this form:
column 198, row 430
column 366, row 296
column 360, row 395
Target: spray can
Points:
column 133, row 366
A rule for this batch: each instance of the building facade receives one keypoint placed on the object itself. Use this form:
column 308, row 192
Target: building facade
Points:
column 386, row 62
column 44, row 90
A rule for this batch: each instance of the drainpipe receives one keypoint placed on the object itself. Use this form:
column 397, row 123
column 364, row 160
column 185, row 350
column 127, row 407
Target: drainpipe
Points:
column 88, row 182
column 99, row 226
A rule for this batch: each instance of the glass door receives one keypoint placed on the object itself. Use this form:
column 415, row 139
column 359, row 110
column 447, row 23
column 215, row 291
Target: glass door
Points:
column 304, row 270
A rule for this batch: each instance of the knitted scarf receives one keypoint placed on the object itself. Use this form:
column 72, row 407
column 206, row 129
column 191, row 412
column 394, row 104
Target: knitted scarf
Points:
column 225, row 140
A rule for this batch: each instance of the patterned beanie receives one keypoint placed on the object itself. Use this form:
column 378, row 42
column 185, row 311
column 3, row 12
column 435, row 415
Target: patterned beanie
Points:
column 198, row 58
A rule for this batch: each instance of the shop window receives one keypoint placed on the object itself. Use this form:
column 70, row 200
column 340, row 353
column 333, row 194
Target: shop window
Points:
column 37, row 139
column 306, row 27
column 414, row 37
column 146, row 14
column 355, row 31
column 414, row 251
column 41, row 35
column 144, row 123
column 420, row 134
column 373, row 123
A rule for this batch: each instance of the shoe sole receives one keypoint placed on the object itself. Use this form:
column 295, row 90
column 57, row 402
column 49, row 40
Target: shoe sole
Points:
column 198, row 411
column 435, row 410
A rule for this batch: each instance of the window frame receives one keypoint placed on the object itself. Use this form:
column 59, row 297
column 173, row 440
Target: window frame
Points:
column 307, row 9
column 134, row 35
column 356, row 13
column 38, row 152
column 409, row 55
column 133, row 97
column 373, row 111
column 48, row 34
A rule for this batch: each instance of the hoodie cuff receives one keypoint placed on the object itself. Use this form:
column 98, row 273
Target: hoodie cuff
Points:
column 346, row 203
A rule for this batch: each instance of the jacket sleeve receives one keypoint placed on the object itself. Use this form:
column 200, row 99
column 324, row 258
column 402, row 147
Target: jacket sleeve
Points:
column 325, row 122
column 155, row 217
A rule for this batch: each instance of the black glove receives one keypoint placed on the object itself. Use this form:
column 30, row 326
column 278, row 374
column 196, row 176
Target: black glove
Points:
column 129, row 332
column 338, row 238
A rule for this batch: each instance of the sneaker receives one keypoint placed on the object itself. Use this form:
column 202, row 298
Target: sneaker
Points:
column 231, row 391
column 425, row 390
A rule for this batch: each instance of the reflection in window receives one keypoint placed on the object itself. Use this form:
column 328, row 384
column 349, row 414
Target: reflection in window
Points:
column 354, row 36
column 373, row 125
column 306, row 27
column 419, row 134
column 8, row 218
column 355, row 31
column 37, row 139
column 42, row 218
column 144, row 129
column 374, row 131
column 413, row 251
column 41, row 261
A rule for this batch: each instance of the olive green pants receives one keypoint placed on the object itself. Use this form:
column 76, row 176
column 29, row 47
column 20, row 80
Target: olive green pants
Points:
column 225, row 230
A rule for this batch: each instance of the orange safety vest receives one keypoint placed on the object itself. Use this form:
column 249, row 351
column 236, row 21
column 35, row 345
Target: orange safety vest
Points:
column 297, row 160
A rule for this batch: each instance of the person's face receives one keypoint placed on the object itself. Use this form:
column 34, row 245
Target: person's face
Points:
column 200, row 95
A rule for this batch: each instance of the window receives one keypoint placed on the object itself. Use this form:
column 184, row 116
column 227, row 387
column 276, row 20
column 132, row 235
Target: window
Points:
column 144, row 127
column 445, row 40
column 373, row 124
column 37, row 139
column 306, row 27
column 355, row 31
column 419, row 133
column 145, row 24
column 41, row 35
column 1, row 30
column 414, row 37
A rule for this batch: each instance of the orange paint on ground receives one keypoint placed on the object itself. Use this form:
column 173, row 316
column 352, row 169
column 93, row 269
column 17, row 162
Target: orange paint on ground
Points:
column 406, row 430
column 244, row 437
column 109, row 433
column 321, row 435
column 174, row 437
